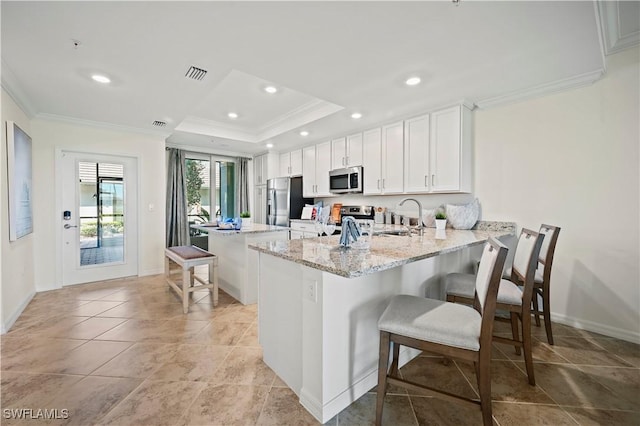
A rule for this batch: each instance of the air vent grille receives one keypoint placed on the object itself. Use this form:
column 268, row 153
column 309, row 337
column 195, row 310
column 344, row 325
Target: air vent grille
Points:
column 159, row 123
column 195, row 73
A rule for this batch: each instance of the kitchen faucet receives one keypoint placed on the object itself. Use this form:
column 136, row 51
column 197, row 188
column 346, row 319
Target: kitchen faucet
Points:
column 420, row 225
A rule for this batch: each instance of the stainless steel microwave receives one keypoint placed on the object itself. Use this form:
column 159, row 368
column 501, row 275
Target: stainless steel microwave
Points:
column 346, row 180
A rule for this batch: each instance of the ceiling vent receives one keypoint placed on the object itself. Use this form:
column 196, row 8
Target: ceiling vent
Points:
column 195, row 73
column 159, row 123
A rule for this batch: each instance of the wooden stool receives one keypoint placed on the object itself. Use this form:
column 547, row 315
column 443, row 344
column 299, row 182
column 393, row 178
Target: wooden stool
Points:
column 187, row 257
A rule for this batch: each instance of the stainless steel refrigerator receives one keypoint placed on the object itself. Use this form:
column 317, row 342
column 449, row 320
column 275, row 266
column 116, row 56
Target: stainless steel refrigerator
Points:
column 285, row 200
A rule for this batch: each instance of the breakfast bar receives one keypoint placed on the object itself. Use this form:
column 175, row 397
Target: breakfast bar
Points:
column 236, row 276
column 319, row 304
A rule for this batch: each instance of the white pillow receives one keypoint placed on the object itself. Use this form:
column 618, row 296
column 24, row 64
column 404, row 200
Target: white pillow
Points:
column 463, row 216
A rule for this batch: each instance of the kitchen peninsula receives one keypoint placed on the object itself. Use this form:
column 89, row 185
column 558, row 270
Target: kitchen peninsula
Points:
column 319, row 304
column 235, row 274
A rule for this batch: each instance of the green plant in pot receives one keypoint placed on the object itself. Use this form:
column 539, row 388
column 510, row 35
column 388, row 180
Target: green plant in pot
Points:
column 441, row 219
column 246, row 219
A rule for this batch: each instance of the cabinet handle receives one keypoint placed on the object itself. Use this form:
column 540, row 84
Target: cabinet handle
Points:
column 346, row 161
column 426, row 182
column 378, row 183
column 382, row 183
column 343, row 162
column 433, row 177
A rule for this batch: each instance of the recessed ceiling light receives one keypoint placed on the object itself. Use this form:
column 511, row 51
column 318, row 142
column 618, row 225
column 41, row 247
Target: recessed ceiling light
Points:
column 232, row 115
column 270, row 90
column 412, row 81
column 356, row 115
column 304, row 133
column 269, row 145
column 101, row 78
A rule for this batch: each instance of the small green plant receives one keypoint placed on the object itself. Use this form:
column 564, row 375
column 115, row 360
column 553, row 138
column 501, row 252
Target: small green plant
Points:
column 441, row 215
column 245, row 214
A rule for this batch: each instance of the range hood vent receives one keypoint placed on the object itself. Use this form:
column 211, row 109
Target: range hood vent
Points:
column 195, row 73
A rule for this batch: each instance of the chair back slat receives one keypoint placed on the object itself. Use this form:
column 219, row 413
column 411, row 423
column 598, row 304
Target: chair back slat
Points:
column 525, row 262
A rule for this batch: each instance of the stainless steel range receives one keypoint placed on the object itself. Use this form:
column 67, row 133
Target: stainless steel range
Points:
column 358, row 212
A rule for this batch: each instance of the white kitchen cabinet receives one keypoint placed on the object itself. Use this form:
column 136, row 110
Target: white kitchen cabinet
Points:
column 302, row 229
column 291, row 163
column 260, row 204
column 265, row 167
column 450, row 150
column 316, row 163
column 346, row 152
column 417, row 177
column 392, row 158
column 371, row 161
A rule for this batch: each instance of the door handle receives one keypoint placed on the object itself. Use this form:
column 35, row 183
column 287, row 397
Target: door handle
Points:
column 67, row 226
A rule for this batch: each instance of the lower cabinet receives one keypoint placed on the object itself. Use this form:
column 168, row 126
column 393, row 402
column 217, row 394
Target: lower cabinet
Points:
column 302, row 229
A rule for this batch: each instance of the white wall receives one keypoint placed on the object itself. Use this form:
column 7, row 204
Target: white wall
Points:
column 150, row 152
column 17, row 286
column 572, row 160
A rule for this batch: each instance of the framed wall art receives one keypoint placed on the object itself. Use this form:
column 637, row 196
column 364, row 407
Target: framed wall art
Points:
column 19, row 179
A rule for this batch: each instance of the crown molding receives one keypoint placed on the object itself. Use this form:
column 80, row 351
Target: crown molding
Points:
column 101, row 125
column 10, row 84
column 612, row 39
column 541, row 90
column 218, row 129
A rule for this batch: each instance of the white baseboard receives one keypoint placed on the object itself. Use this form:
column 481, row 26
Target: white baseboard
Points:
column 148, row 272
column 324, row 413
column 6, row 325
column 629, row 336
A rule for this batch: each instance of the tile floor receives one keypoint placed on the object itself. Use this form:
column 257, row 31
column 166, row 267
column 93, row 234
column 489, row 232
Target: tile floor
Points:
column 122, row 353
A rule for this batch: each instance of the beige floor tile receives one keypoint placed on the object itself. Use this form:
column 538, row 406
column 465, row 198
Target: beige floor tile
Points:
column 93, row 308
column 250, row 337
column 433, row 372
column 508, row 383
column 434, row 411
column 282, row 408
column 629, row 352
column 566, row 384
column 134, row 330
column 52, row 327
column 586, row 351
column 541, row 351
column 592, row 417
column 396, row 411
column 227, row 405
column 624, row 382
column 27, row 390
column 221, row 333
column 192, row 363
column 31, row 353
column 181, row 330
column 127, row 309
column 138, row 361
column 90, row 399
column 90, row 328
column 154, row 403
column 244, row 366
column 514, row 414
column 83, row 359
column 239, row 313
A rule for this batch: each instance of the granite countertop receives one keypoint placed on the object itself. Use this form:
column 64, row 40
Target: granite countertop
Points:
column 253, row 229
column 385, row 252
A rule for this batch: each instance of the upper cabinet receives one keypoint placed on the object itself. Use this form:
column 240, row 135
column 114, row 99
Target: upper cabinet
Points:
column 316, row 164
column 450, row 150
column 291, row 163
column 383, row 158
column 265, row 167
column 417, row 177
column 346, row 152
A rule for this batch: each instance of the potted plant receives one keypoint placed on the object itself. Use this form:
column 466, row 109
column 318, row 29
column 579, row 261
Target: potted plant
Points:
column 441, row 220
column 246, row 219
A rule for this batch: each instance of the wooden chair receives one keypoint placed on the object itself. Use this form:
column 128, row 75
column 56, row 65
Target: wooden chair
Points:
column 511, row 297
column 456, row 331
column 542, row 282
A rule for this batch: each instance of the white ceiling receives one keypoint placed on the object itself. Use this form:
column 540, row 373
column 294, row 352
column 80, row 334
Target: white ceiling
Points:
column 329, row 59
